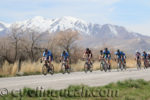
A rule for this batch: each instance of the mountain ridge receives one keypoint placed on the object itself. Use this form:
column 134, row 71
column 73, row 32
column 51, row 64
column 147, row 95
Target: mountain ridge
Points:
column 95, row 34
column 68, row 22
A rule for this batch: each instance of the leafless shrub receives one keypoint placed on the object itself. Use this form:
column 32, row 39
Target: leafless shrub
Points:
column 66, row 40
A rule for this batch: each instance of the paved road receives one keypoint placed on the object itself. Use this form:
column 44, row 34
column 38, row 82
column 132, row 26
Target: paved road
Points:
column 60, row 81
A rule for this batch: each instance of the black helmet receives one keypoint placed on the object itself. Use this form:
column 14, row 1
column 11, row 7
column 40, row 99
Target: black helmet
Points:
column 106, row 49
column 64, row 52
column 118, row 50
column 87, row 49
column 101, row 51
column 46, row 50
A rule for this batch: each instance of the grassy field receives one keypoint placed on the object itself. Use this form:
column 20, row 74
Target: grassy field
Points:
column 29, row 68
column 126, row 90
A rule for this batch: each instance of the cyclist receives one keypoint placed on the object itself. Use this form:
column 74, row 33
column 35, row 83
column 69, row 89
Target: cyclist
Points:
column 65, row 57
column 123, row 56
column 107, row 56
column 118, row 55
column 47, row 56
column 138, row 56
column 88, row 55
column 145, row 56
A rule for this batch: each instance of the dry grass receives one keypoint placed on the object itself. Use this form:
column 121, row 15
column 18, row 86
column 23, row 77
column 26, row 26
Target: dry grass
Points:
column 36, row 67
column 8, row 69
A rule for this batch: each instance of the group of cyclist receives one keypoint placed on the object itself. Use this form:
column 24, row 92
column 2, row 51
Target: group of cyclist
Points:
column 104, row 55
column 48, row 56
column 145, row 57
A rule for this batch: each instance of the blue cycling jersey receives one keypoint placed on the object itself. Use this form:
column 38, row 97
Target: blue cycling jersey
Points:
column 123, row 55
column 47, row 55
column 120, row 55
column 145, row 55
column 65, row 56
column 106, row 54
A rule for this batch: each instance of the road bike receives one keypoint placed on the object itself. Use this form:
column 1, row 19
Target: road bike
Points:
column 88, row 66
column 103, row 65
column 65, row 67
column 47, row 68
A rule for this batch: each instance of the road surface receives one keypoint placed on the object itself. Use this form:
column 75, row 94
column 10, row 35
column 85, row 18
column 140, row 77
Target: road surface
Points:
column 60, row 81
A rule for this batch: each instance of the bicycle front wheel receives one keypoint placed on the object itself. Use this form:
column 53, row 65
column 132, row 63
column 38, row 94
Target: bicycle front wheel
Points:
column 51, row 69
column 63, row 68
column 105, row 67
column 85, row 67
column 44, row 70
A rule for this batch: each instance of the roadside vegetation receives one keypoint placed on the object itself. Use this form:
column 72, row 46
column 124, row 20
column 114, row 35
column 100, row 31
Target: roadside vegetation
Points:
column 127, row 90
column 35, row 68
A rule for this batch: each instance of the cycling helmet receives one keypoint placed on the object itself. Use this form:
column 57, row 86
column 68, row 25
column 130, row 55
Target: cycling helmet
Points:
column 87, row 49
column 137, row 51
column 118, row 50
column 46, row 50
column 64, row 52
column 106, row 49
column 101, row 51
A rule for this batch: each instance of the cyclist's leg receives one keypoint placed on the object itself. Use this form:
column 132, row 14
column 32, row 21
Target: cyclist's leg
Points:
column 145, row 63
column 47, row 63
column 91, row 61
column 67, row 60
column 109, row 63
column 137, row 62
column 50, row 63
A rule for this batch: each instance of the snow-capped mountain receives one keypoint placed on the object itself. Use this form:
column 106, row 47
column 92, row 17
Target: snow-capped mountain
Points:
column 41, row 24
column 3, row 28
column 96, row 34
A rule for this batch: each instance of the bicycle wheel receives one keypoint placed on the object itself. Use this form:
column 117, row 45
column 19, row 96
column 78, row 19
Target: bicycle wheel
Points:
column 68, row 70
column 145, row 64
column 44, row 70
column 105, row 67
column 138, row 65
column 63, row 68
column 118, row 67
column 85, row 67
column 122, row 66
column 51, row 69
column 101, row 66
column 91, row 67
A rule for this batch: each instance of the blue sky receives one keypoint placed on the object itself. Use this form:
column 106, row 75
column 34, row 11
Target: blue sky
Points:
column 133, row 14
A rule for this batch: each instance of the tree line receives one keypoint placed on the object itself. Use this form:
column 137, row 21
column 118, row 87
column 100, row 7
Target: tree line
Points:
column 29, row 45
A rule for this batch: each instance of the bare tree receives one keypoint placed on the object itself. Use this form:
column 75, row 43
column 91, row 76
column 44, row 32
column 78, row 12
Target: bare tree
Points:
column 31, row 42
column 67, row 39
column 15, row 36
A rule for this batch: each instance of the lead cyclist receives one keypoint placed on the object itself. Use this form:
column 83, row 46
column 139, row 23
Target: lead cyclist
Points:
column 47, row 56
